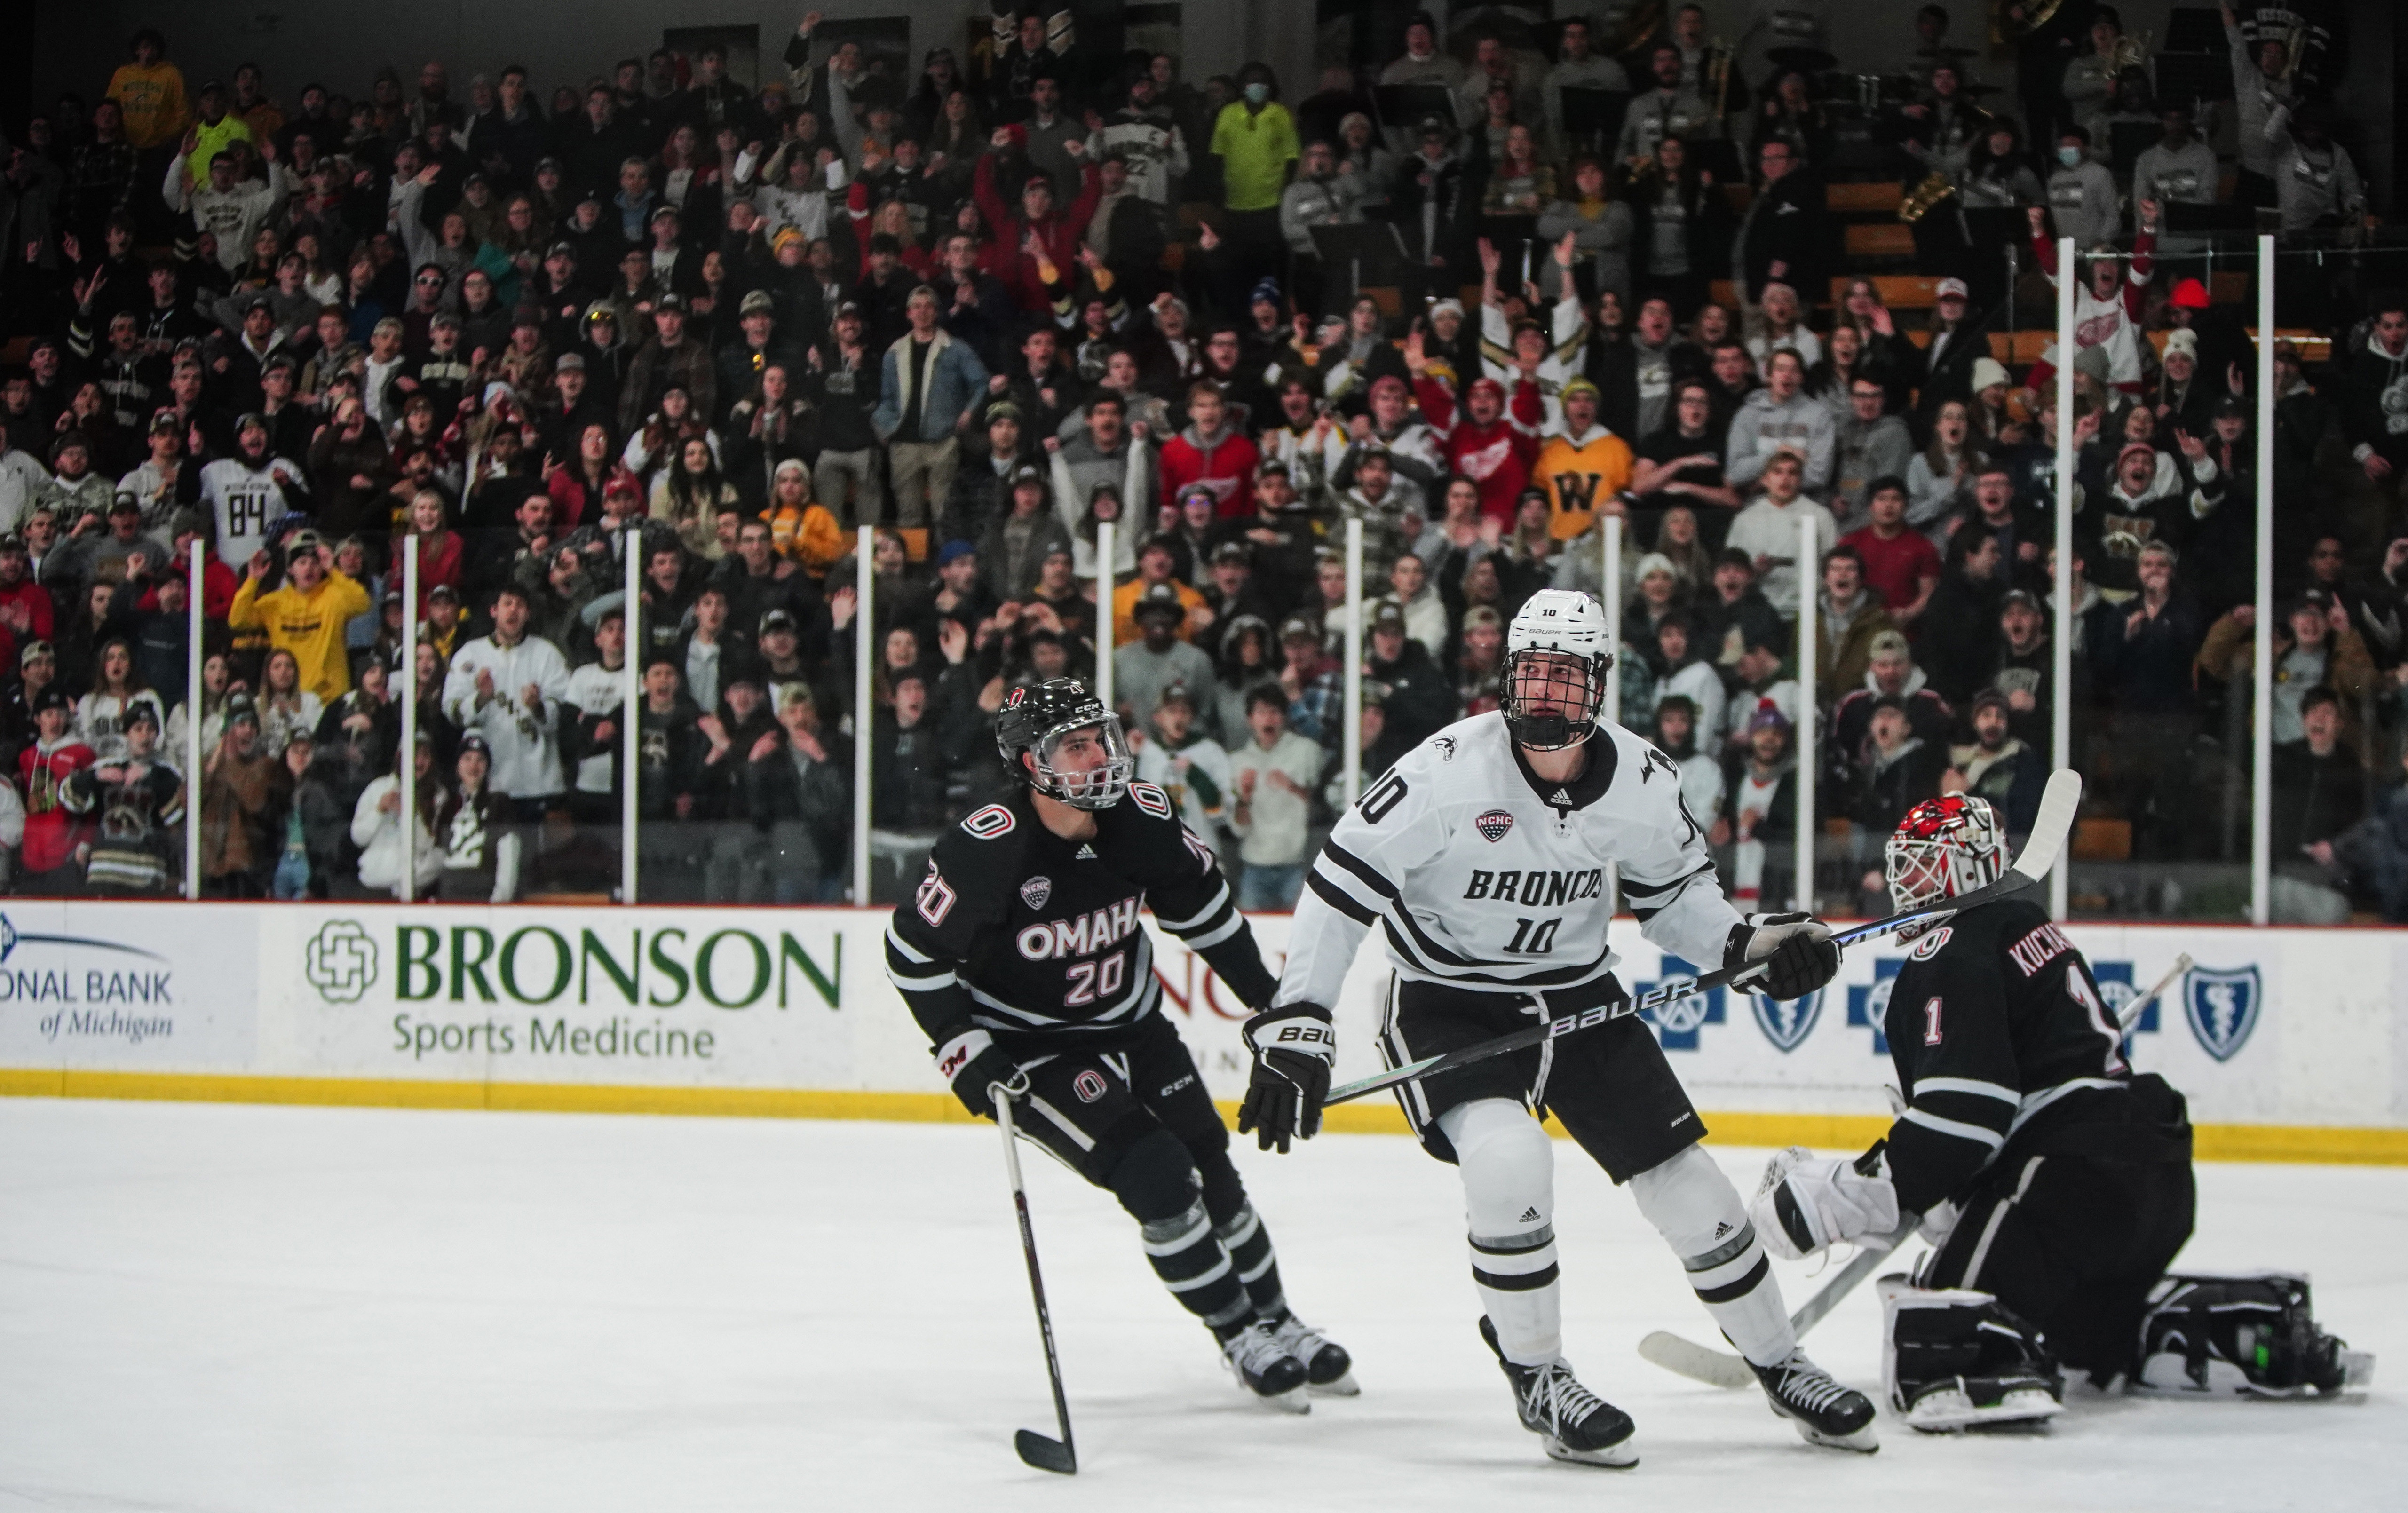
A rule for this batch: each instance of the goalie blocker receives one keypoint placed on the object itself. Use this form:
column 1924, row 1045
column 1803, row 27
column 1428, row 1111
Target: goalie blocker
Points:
column 2056, row 1184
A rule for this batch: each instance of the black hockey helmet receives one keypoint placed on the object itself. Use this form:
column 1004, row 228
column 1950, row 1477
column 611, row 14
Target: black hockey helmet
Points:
column 1037, row 719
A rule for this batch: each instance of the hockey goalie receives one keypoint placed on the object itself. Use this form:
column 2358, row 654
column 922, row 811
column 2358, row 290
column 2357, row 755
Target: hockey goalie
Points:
column 2054, row 1183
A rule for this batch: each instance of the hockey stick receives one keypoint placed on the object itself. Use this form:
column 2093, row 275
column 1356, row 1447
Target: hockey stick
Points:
column 1720, row 1368
column 1058, row 1455
column 2050, row 827
column 2131, row 1014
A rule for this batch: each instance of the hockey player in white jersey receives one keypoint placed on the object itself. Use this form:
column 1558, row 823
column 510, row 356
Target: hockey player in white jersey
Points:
column 1482, row 857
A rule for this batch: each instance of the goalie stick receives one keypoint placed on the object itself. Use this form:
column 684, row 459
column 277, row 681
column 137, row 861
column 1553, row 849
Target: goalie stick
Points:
column 1721, row 1368
column 1057, row 1455
column 2050, row 827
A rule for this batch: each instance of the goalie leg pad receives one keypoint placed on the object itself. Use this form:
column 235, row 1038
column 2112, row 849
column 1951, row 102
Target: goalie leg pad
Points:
column 2251, row 1333
column 1509, row 1190
column 1955, row 1359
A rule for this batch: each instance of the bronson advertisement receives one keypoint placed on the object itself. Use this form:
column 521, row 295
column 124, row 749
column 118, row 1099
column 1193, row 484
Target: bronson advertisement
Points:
column 2290, row 1027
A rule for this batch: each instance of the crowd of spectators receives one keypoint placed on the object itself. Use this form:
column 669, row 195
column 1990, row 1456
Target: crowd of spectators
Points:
column 988, row 308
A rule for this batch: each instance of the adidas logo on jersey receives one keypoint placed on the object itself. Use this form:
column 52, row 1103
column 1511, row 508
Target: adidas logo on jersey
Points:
column 1087, row 854
column 1722, row 1229
column 1562, row 799
column 1529, row 1216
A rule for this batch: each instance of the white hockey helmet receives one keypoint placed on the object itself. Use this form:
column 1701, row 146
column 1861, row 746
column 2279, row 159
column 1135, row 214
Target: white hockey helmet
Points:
column 1557, row 654
column 1944, row 846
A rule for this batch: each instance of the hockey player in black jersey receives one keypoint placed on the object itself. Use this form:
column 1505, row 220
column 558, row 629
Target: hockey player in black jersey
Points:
column 2055, row 1184
column 1482, row 856
column 1022, row 959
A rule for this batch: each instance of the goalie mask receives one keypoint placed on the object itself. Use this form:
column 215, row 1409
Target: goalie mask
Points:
column 1557, row 654
column 1944, row 846
column 1057, row 713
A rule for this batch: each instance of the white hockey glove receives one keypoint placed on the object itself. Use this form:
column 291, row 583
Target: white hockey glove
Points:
column 1295, row 1047
column 1795, row 950
column 1808, row 1203
column 1939, row 1222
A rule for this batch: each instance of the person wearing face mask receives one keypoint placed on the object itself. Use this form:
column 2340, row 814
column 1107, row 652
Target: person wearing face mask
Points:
column 1254, row 139
column 2082, row 192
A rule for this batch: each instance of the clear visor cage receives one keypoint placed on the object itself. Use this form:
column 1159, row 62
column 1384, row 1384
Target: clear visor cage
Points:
column 1099, row 787
column 1571, row 686
column 1968, row 853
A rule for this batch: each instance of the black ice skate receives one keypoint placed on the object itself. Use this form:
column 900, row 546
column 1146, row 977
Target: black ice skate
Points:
column 1264, row 1367
column 1572, row 1422
column 1824, row 1412
column 1328, row 1370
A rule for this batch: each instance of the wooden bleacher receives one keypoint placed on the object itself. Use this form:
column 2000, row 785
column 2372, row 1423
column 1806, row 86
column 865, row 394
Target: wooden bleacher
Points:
column 1879, row 240
column 1880, row 198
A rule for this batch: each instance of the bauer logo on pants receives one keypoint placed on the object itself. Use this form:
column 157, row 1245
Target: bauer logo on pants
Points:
column 2221, row 1008
column 1088, row 1085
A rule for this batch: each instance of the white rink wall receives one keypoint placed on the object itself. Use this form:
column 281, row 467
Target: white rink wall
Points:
column 2301, row 1034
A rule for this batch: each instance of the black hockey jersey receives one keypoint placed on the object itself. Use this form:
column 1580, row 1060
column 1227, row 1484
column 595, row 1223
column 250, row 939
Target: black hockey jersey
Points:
column 1999, row 1034
column 1020, row 931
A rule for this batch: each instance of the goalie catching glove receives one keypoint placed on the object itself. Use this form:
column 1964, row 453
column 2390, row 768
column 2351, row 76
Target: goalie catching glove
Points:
column 972, row 1062
column 1809, row 1203
column 1796, row 952
column 1295, row 1048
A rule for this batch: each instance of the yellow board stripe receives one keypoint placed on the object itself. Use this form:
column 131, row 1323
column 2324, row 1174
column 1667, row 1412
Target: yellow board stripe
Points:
column 1842, row 1131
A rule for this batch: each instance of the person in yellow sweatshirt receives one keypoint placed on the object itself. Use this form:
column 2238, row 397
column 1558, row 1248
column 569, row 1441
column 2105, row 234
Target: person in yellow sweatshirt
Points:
column 307, row 616
column 151, row 91
column 1582, row 467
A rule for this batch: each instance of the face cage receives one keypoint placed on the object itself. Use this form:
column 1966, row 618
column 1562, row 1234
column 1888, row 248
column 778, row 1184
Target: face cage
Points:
column 1099, row 789
column 1570, row 682
column 1921, row 872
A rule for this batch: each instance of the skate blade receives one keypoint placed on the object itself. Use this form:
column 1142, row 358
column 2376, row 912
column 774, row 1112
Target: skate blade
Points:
column 1863, row 1442
column 2357, row 1370
column 1295, row 1400
column 1617, row 1457
column 1945, row 1413
column 1343, row 1387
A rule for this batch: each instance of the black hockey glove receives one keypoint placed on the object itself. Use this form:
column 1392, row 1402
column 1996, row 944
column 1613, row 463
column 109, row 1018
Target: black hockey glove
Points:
column 1796, row 952
column 972, row 1062
column 1295, row 1047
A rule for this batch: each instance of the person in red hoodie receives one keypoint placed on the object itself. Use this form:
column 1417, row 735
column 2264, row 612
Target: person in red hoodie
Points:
column 1056, row 235
column 1489, row 445
column 1212, row 453
column 49, row 865
column 25, row 606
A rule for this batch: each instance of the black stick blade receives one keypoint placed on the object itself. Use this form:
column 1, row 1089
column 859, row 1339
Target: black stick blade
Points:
column 1045, row 1454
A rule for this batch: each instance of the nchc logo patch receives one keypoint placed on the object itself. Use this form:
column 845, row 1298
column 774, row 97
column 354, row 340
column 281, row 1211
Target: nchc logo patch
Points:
column 1494, row 825
column 1036, row 891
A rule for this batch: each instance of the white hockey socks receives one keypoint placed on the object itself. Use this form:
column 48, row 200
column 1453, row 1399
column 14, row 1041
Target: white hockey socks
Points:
column 1697, row 1212
column 1509, row 1180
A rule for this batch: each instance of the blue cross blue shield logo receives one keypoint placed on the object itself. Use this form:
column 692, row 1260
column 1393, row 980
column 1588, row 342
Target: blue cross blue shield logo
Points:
column 1869, row 1005
column 1787, row 1021
column 2221, row 1008
column 1677, row 1024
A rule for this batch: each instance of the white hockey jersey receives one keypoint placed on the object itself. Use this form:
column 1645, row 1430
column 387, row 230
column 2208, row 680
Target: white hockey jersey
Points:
column 1483, row 875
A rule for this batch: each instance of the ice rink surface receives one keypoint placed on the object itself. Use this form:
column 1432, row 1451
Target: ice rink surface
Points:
column 255, row 1310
